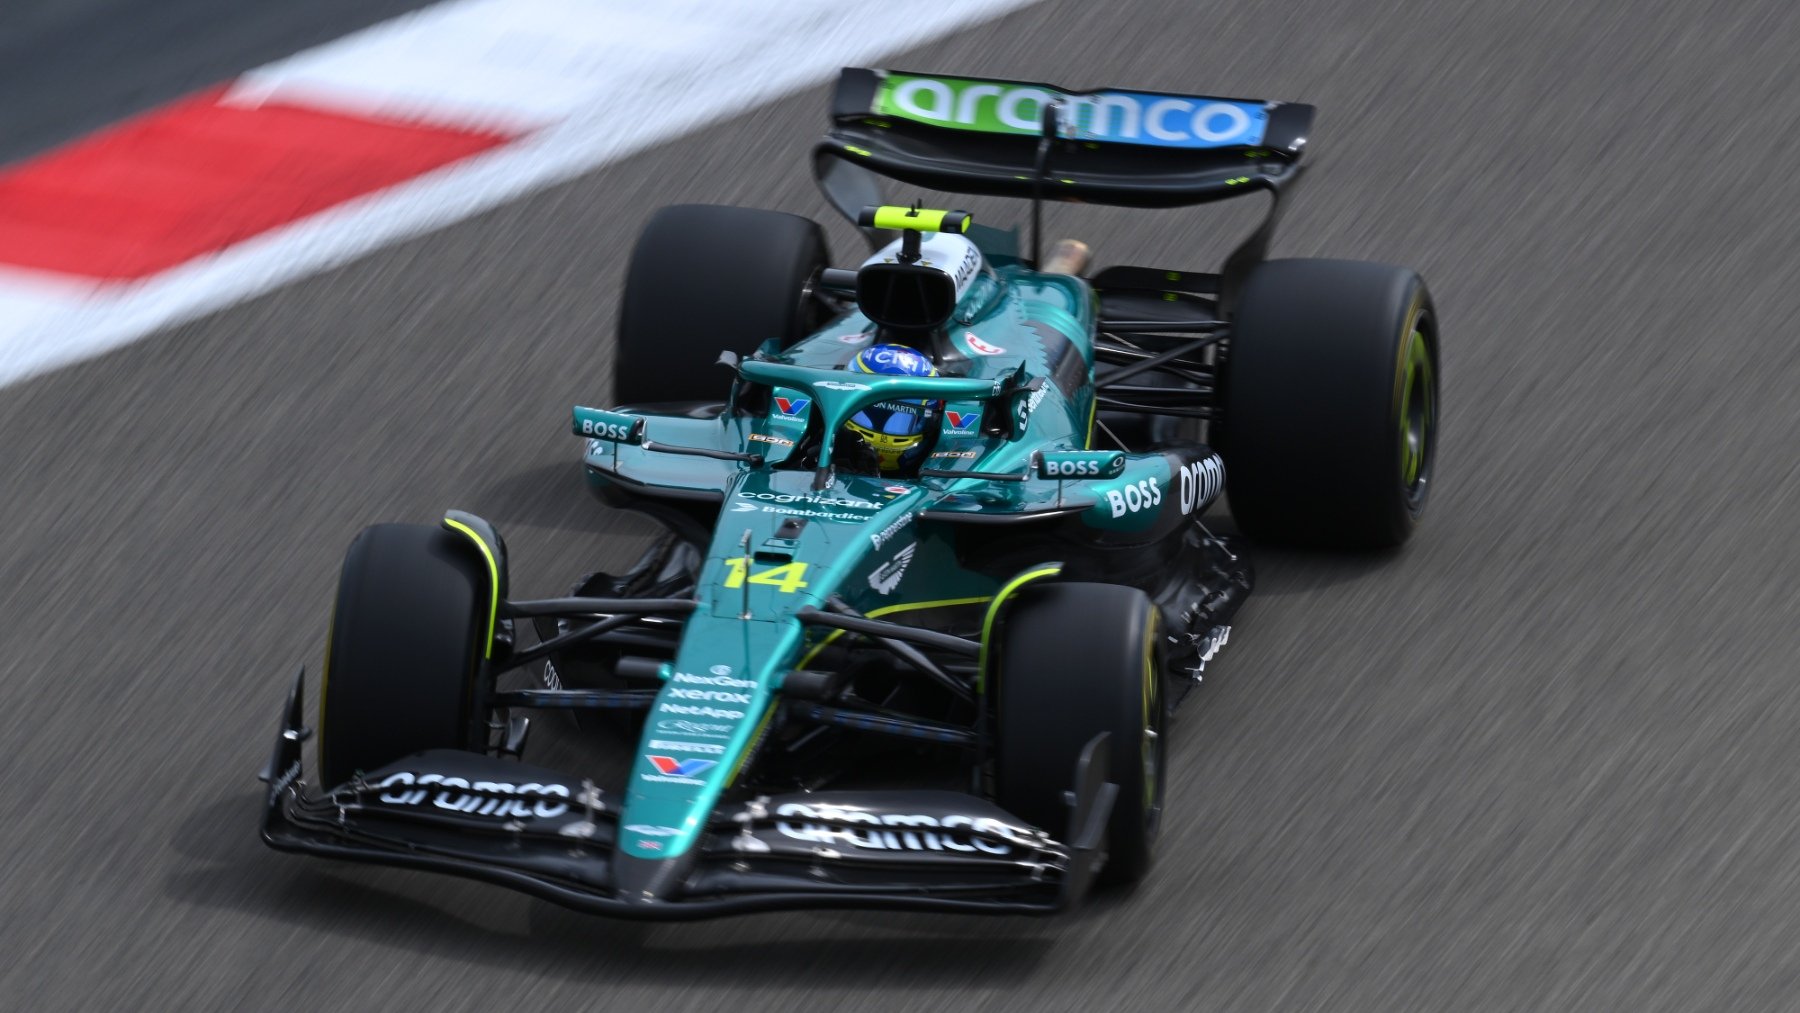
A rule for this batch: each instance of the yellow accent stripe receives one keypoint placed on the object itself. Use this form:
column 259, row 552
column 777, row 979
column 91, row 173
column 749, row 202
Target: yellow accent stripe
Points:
column 1150, row 662
column 1150, row 700
column 1411, row 325
column 993, row 612
column 750, row 746
column 912, row 606
column 493, row 581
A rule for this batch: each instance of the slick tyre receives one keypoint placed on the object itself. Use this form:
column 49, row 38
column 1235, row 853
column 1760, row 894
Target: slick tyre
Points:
column 405, row 651
column 706, row 279
column 1072, row 661
column 1330, row 390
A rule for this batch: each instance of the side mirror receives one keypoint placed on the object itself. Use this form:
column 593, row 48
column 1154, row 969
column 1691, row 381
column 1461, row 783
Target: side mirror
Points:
column 1009, row 410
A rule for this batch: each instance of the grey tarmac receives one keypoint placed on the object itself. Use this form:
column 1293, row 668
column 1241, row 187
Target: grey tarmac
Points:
column 1542, row 759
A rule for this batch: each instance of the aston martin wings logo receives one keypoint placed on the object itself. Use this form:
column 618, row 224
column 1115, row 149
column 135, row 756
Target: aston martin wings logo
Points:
column 887, row 576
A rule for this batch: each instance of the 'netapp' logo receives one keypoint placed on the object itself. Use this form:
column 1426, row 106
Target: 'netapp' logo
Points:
column 689, row 710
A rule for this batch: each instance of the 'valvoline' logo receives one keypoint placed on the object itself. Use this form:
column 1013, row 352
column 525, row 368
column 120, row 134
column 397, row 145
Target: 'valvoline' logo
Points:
column 792, row 407
column 961, row 423
column 681, row 768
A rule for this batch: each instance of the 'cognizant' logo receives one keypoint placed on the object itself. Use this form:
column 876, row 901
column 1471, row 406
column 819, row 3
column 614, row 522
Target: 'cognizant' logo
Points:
column 996, row 107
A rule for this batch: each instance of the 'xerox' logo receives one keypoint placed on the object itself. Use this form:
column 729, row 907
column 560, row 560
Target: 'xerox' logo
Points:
column 672, row 767
column 791, row 407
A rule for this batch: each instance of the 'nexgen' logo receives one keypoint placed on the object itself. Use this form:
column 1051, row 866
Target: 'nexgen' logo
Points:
column 712, row 680
column 996, row 107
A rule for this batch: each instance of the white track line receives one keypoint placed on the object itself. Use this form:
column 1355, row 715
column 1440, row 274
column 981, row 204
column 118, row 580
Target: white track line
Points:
column 602, row 80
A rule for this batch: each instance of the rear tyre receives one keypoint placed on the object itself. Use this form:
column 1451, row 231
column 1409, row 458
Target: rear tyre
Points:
column 704, row 279
column 405, row 651
column 1331, row 403
column 1075, row 660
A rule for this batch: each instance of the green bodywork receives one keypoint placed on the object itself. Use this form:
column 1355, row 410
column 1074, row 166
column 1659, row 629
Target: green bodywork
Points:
column 867, row 539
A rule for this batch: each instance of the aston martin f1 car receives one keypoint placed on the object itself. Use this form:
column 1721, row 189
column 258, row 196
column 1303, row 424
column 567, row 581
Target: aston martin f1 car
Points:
column 850, row 675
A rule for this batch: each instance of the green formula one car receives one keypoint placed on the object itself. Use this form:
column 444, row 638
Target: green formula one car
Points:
column 935, row 570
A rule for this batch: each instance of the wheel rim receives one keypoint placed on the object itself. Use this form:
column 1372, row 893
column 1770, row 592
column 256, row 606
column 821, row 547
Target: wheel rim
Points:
column 1418, row 419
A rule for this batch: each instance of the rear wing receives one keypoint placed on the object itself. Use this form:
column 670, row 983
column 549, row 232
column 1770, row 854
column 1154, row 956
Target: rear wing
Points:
column 1137, row 149
column 985, row 136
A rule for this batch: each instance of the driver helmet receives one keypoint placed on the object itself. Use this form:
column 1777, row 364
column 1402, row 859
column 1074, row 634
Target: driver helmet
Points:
column 894, row 430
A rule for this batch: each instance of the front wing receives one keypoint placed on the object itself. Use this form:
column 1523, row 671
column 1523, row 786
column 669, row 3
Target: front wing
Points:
column 534, row 830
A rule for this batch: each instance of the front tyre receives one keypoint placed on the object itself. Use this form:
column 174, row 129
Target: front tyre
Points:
column 1072, row 661
column 405, row 652
column 1330, row 390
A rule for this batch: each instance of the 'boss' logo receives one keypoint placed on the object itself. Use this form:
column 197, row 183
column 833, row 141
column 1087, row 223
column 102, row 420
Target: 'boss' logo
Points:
column 605, row 430
column 1072, row 469
column 1139, row 495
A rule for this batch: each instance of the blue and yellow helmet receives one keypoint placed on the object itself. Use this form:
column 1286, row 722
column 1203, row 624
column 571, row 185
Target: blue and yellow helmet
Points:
column 894, row 430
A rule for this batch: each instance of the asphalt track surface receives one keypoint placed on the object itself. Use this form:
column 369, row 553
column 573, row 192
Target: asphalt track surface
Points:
column 1541, row 759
